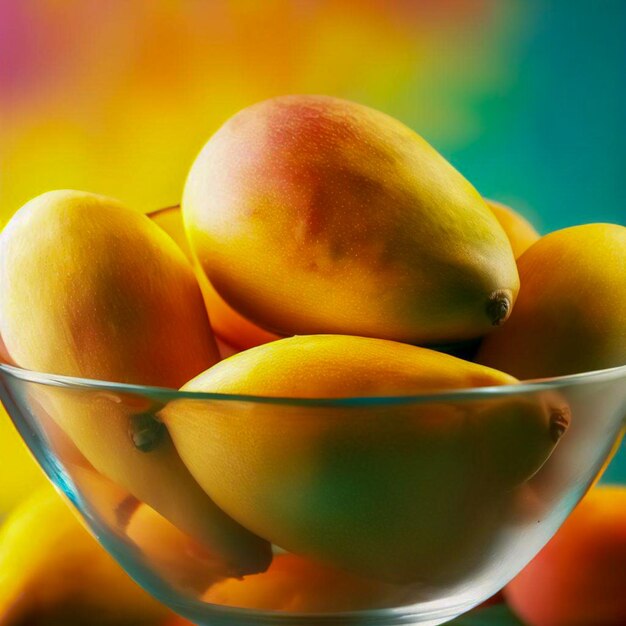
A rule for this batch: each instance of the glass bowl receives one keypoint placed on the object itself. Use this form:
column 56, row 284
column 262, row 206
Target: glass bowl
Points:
column 397, row 510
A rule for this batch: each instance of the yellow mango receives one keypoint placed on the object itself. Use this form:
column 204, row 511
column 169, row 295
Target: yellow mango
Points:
column 570, row 316
column 312, row 214
column 401, row 492
column 518, row 229
column 95, row 290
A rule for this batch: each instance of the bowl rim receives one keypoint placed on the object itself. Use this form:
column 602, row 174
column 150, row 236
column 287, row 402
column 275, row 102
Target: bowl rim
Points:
column 444, row 395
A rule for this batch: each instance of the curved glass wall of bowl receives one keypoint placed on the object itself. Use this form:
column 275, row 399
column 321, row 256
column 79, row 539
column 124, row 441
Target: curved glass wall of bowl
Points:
column 404, row 510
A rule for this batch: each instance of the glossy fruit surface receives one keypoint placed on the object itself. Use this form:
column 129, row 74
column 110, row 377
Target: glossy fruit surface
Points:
column 397, row 493
column 312, row 214
column 93, row 289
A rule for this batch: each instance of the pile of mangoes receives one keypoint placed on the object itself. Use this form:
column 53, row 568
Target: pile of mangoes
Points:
column 338, row 255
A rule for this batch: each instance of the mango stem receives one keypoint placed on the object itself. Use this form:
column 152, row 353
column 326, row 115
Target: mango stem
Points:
column 146, row 432
column 498, row 307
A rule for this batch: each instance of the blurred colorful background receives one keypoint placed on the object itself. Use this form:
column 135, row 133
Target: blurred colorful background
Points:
column 525, row 97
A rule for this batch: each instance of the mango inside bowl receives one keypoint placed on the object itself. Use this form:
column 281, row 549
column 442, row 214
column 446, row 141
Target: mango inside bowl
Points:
column 375, row 514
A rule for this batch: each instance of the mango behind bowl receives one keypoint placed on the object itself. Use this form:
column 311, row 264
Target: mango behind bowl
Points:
column 232, row 328
column 311, row 214
column 578, row 578
column 397, row 493
column 121, row 304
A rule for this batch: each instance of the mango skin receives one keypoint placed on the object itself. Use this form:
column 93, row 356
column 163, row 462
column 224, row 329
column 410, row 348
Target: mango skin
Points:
column 312, row 215
column 93, row 289
column 521, row 233
column 227, row 324
column 570, row 316
column 401, row 493
column 578, row 578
